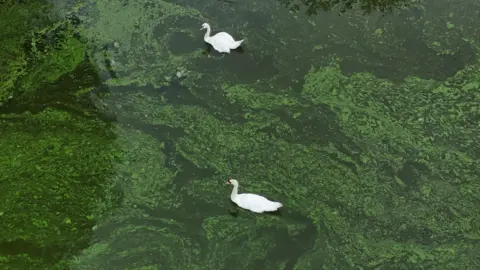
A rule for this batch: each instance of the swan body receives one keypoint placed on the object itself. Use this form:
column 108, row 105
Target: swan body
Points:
column 252, row 202
column 221, row 42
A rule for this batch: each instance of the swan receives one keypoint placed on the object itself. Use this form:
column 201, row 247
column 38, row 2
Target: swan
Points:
column 252, row 202
column 222, row 42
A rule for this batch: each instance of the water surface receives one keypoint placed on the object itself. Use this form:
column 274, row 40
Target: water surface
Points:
column 120, row 127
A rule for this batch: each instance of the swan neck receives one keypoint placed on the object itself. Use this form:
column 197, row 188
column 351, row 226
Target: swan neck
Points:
column 207, row 34
column 234, row 191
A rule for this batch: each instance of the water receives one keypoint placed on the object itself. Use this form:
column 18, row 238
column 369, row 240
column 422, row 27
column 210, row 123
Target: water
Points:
column 361, row 119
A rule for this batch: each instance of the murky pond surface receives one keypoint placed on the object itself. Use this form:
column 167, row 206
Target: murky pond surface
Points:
column 120, row 127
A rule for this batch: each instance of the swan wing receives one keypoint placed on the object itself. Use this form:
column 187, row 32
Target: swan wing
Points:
column 256, row 203
column 224, row 37
column 219, row 46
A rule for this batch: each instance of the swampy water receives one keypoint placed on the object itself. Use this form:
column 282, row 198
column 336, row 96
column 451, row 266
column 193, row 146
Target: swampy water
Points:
column 119, row 128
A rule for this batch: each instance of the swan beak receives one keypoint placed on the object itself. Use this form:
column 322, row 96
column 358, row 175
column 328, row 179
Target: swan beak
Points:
column 228, row 183
column 201, row 28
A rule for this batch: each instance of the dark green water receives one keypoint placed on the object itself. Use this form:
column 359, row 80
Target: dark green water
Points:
column 119, row 129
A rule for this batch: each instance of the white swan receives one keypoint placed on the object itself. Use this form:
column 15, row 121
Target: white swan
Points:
column 222, row 42
column 252, row 202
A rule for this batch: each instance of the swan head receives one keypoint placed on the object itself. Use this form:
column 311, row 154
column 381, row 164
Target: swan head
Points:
column 232, row 182
column 205, row 26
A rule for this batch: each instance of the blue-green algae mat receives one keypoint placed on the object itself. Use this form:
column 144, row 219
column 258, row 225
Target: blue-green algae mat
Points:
column 119, row 129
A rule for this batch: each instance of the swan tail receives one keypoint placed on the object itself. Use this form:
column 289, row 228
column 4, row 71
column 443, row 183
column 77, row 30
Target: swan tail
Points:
column 236, row 44
column 278, row 205
column 274, row 206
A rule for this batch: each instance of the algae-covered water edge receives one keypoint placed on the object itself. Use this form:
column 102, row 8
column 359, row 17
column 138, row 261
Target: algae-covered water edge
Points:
column 119, row 129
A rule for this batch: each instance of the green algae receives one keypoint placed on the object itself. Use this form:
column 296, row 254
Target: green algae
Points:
column 227, row 247
column 400, row 131
column 153, row 247
column 54, row 62
column 143, row 180
column 374, row 172
column 56, row 165
column 37, row 51
column 315, row 7
column 111, row 23
column 363, row 183
column 358, row 180
column 14, row 59
column 148, row 194
column 47, row 196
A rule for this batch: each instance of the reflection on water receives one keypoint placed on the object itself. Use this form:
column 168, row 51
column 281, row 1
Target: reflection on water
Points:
column 120, row 128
